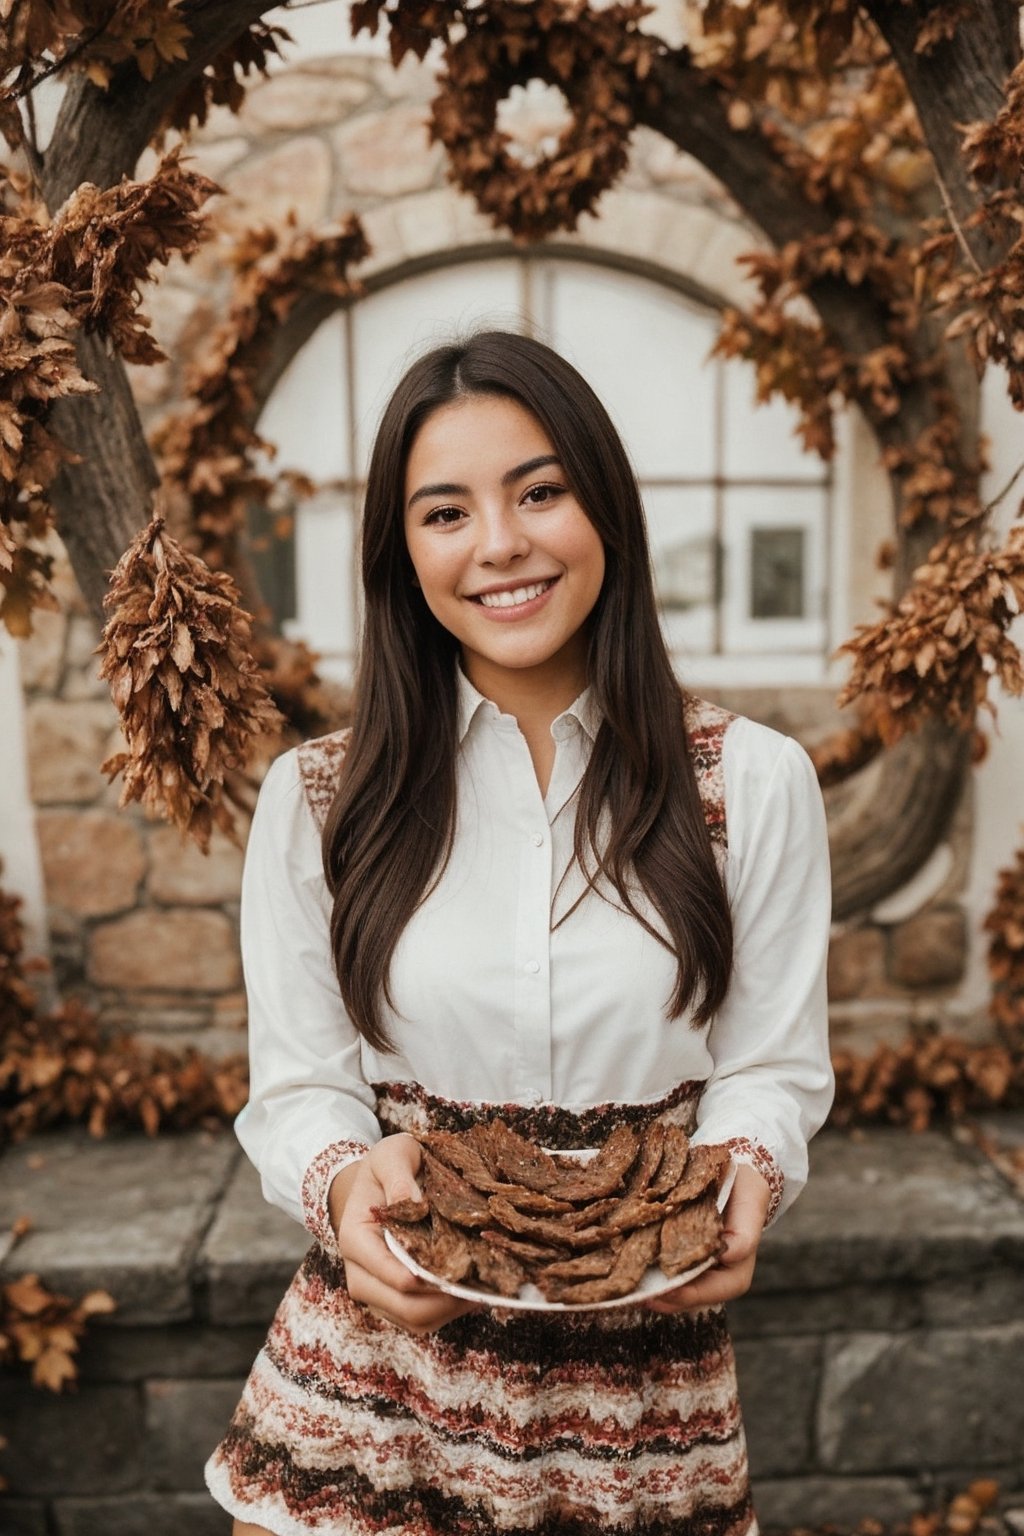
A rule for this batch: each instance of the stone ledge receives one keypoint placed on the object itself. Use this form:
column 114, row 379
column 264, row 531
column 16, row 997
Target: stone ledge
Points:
column 893, row 1230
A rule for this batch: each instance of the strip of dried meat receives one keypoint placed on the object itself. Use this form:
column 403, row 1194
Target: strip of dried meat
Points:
column 635, row 1257
column 606, row 1171
column 452, row 1255
column 547, row 1229
column 449, row 1193
column 521, row 1247
column 690, row 1235
column 496, row 1268
column 521, row 1162
column 401, row 1212
column 673, row 1162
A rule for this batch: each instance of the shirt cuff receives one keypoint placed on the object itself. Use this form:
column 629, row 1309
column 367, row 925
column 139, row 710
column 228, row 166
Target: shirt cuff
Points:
column 758, row 1156
column 316, row 1184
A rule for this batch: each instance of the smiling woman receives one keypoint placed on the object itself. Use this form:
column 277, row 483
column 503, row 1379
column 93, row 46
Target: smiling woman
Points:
column 537, row 882
column 506, row 558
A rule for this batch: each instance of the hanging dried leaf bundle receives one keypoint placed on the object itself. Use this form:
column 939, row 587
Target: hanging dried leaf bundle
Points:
column 938, row 647
column 192, row 702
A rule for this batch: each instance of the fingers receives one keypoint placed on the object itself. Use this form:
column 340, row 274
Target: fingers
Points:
column 374, row 1276
column 743, row 1224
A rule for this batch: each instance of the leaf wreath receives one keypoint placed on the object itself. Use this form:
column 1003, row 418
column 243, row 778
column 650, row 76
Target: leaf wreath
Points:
column 596, row 58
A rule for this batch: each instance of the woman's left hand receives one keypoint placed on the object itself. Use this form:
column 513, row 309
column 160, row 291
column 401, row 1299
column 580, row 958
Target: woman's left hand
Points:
column 744, row 1218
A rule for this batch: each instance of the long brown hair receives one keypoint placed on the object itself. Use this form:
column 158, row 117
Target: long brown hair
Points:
column 389, row 833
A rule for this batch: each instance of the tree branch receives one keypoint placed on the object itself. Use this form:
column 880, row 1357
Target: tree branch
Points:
column 100, row 135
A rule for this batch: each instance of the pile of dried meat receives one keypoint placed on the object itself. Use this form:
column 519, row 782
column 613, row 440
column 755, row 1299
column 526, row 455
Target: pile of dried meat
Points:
column 498, row 1212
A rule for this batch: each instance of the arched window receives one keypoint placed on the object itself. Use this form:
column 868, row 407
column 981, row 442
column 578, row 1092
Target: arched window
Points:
column 739, row 514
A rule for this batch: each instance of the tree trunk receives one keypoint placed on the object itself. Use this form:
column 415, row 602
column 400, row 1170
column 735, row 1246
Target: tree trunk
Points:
column 105, row 499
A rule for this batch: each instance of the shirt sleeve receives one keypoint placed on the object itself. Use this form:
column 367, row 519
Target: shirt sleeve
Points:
column 310, row 1111
column 771, row 1084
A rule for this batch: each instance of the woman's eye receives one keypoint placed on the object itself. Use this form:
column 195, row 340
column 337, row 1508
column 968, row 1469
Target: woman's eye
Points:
column 537, row 495
column 446, row 516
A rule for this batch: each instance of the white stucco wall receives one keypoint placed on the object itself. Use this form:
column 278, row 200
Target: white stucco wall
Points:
column 19, row 851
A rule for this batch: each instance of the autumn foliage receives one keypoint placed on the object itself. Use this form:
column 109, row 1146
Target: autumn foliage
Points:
column 60, row 1069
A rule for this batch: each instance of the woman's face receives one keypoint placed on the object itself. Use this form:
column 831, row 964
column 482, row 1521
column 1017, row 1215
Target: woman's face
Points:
column 506, row 557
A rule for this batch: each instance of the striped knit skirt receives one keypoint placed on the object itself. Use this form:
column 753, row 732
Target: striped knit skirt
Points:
column 622, row 1422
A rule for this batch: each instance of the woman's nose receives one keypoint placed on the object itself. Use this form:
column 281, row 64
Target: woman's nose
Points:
column 501, row 538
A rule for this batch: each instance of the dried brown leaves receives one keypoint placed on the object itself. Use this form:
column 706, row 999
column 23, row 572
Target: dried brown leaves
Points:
column 59, row 1070
column 191, row 698
column 598, row 59
column 42, row 1329
column 1005, row 923
column 44, row 37
column 929, row 1077
column 104, row 246
column 209, row 451
column 938, row 648
column 84, row 270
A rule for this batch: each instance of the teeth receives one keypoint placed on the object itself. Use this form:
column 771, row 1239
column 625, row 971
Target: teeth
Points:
column 516, row 596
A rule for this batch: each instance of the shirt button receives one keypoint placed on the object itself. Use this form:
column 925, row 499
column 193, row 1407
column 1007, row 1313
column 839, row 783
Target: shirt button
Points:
column 532, row 967
column 537, row 839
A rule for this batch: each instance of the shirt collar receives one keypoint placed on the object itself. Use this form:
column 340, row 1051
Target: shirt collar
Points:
column 584, row 710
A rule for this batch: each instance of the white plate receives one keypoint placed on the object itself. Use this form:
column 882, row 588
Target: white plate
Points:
column 654, row 1282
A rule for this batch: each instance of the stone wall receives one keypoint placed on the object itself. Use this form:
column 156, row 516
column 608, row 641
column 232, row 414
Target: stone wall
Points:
column 879, row 1354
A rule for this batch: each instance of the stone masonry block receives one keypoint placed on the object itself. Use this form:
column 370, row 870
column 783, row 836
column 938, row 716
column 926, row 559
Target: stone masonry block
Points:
column 387, row 154
column 173, row 950
column 846, row 1309
column 180, row 873
column 93, row 861
column 296, row 176
column 89, row 1441
column 913, row 1209
column 155, row 1515
column 924, row 1400
column 137, row 1354
column 839, row 1502
column 929, row 950
column 125, row 1214
column 778, row 1384
column 251, row 1252
column 185, row 1420
column 23, row 1517
column 856, row 964
column 66, row 745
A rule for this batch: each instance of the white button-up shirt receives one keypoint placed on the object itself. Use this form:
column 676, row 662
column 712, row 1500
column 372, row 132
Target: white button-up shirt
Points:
column 495, row 1000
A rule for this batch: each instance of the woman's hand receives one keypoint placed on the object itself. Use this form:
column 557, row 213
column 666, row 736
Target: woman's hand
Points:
column 373, row 1274
column 744, row 1217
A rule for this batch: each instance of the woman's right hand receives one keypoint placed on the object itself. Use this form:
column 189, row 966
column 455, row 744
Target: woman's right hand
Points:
column 373, row 1274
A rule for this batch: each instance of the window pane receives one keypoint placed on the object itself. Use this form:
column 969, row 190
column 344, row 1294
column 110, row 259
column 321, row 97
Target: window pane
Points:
column 393, row 327
column 760, row 440
column 777, row 573
column 774, row 570
column 643, row 348
column 324, row 556
column 681, row 526
column 307, row 415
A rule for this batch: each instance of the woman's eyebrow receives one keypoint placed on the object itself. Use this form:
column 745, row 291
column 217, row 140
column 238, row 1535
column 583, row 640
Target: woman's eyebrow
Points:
column 450, row 488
